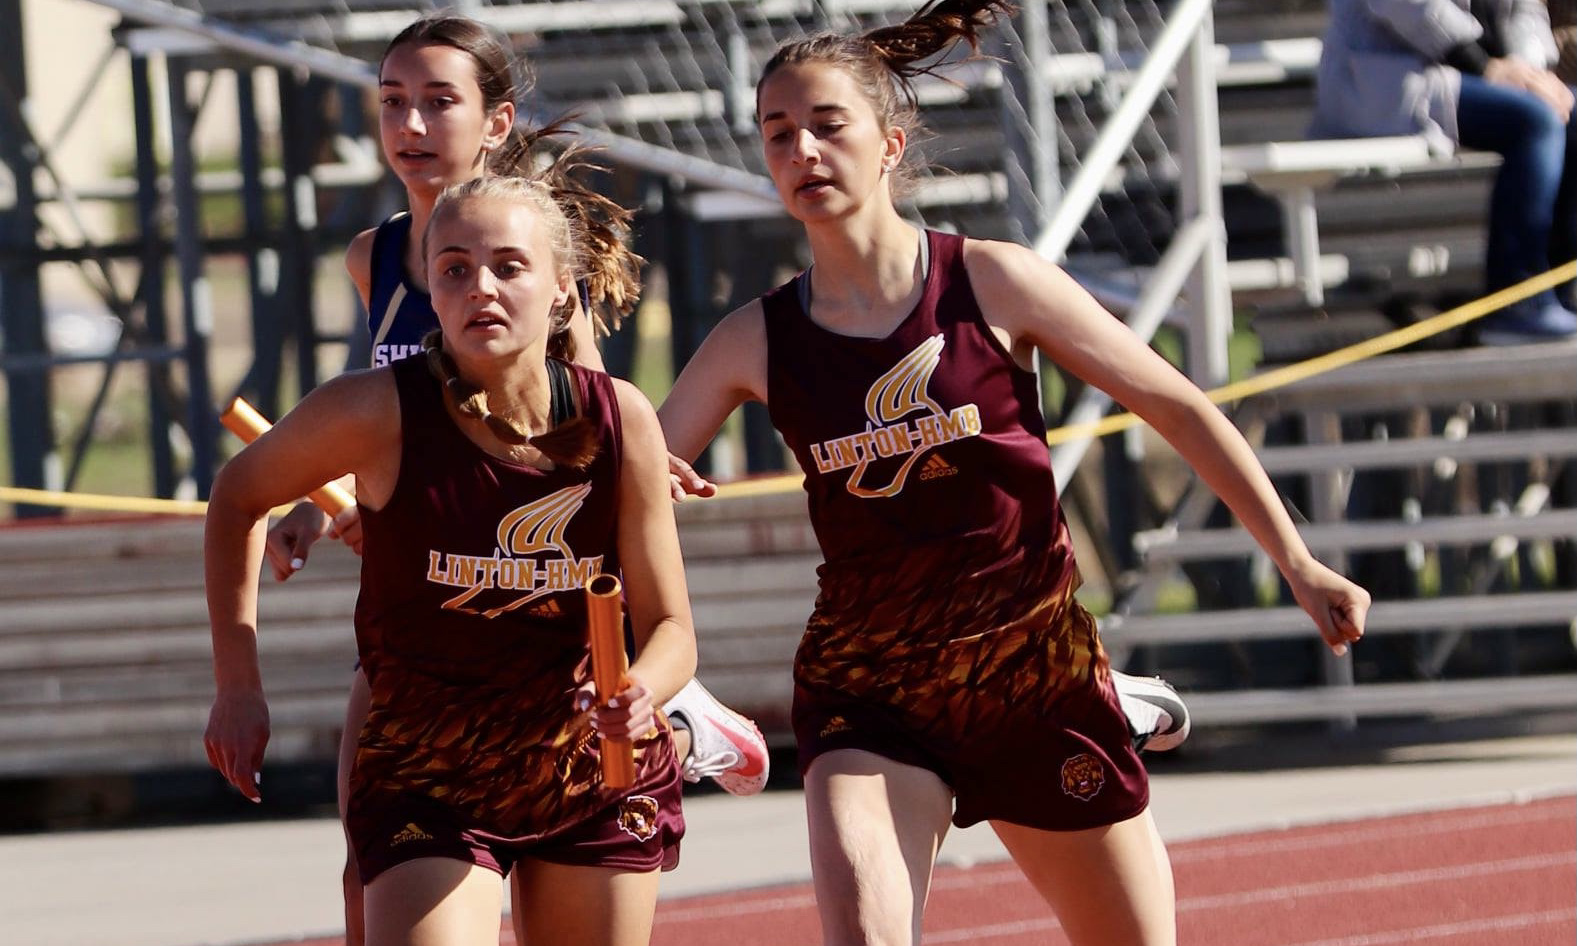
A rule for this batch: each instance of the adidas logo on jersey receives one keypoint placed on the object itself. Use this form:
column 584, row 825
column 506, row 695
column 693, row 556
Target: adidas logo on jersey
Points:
column 549, row 609
column 935, row 467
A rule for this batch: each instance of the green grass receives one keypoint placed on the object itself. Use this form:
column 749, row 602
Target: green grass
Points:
column 1173, row 597
column 117, row 461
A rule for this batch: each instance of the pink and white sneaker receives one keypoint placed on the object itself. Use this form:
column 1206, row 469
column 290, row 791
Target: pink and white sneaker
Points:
column 724, row 746
column 1157, row 717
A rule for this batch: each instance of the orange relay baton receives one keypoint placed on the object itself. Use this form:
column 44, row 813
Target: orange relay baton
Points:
column 243, row 420
column 605, row 627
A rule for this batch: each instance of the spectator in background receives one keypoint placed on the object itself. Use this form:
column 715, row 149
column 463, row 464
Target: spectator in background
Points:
column 1563, row 22
column 1476, row 74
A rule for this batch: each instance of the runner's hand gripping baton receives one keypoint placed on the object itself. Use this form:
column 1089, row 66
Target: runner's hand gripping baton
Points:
column 605, row 627
column 243, row 420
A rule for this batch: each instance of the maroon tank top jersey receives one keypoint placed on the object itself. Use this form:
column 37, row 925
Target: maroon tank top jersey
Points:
column 946, row 624
column 930, row 433
column 471, row 622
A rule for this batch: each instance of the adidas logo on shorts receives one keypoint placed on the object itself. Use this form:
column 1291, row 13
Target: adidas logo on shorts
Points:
column 410, row 833
column 936, row 467
column 836, row 724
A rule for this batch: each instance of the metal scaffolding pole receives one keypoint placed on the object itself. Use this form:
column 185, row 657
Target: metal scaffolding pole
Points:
column 196, row 296
column 1029, row 123
column 151, row 286
column 296, row 55
column 34, row 460
column 299, row 98
column 261, row 384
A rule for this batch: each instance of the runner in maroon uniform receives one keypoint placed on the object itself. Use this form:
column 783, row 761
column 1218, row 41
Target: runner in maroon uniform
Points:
column 933, row 503
column 447, row 94
column 492, row 482
column 948, row 674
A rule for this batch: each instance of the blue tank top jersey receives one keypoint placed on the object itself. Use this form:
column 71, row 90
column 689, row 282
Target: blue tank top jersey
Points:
column 398, row 313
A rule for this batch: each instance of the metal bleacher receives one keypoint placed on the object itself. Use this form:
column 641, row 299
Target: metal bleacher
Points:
column 104, row 642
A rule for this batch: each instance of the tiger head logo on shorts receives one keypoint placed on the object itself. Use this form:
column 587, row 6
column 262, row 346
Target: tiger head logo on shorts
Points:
column 638, row 817
column 1082, row 776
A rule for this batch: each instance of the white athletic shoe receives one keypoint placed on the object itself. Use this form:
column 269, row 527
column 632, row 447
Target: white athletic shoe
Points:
column 724, row 746
column 1157, row 717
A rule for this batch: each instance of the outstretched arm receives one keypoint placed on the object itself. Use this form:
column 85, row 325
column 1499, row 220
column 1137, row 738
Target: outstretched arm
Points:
column 1037, row 305
column 729, row 369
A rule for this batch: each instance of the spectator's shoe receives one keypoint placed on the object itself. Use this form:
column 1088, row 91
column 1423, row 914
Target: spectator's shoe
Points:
column 724, row 746
column 1157, row 718
column 1540, row 319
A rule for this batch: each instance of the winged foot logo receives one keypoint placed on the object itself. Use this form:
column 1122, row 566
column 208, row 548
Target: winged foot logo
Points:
column 532, row 558
column 892, row 430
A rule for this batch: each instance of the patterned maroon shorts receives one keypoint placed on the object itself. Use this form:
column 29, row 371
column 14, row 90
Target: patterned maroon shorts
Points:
column 639, row 832
column 1067, row 771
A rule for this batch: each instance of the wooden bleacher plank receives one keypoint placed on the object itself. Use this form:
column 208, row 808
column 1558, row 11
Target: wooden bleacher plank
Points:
column 785, row 610
column 1345, row 157
column 132, row 737
column 147, row 650
column 1162, row 545
column 175, row 678
column 750, row 578
column 1489, row 446
column 1544, row 372
column 1430, row 698
column 82, row 544
column 135, row 610
column 1532, row 608
column 287, row 708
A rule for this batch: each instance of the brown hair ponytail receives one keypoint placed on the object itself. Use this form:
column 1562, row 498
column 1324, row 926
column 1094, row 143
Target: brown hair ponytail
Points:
column 610, row 270
column 884, row 62
column 932, row 29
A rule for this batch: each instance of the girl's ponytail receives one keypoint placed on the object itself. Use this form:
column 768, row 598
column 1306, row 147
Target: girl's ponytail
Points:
column 610, row 270
column 932, row 29
column 884, row 62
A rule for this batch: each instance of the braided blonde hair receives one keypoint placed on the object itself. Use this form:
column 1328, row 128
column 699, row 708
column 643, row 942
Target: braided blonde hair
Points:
column 574, row 442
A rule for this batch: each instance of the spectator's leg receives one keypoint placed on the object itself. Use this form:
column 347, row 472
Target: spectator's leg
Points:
column 1563, row 236
column 1531, row 141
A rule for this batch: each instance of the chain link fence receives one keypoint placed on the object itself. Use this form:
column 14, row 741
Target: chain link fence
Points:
column 680, row 74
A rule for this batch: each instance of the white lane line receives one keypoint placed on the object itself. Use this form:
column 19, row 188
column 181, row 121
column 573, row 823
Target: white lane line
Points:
column 736, row 908
column 988, row 876
column 1418, row 934
column 1227, row 847
column 1403, row 878
column 1277, row 894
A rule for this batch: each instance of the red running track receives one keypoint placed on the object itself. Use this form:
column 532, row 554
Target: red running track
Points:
column 1504, row 875
column 1468, row 877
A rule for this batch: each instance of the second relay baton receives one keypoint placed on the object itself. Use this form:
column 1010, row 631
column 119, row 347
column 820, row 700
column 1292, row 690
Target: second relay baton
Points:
column 243, row 420
column 605, row 628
